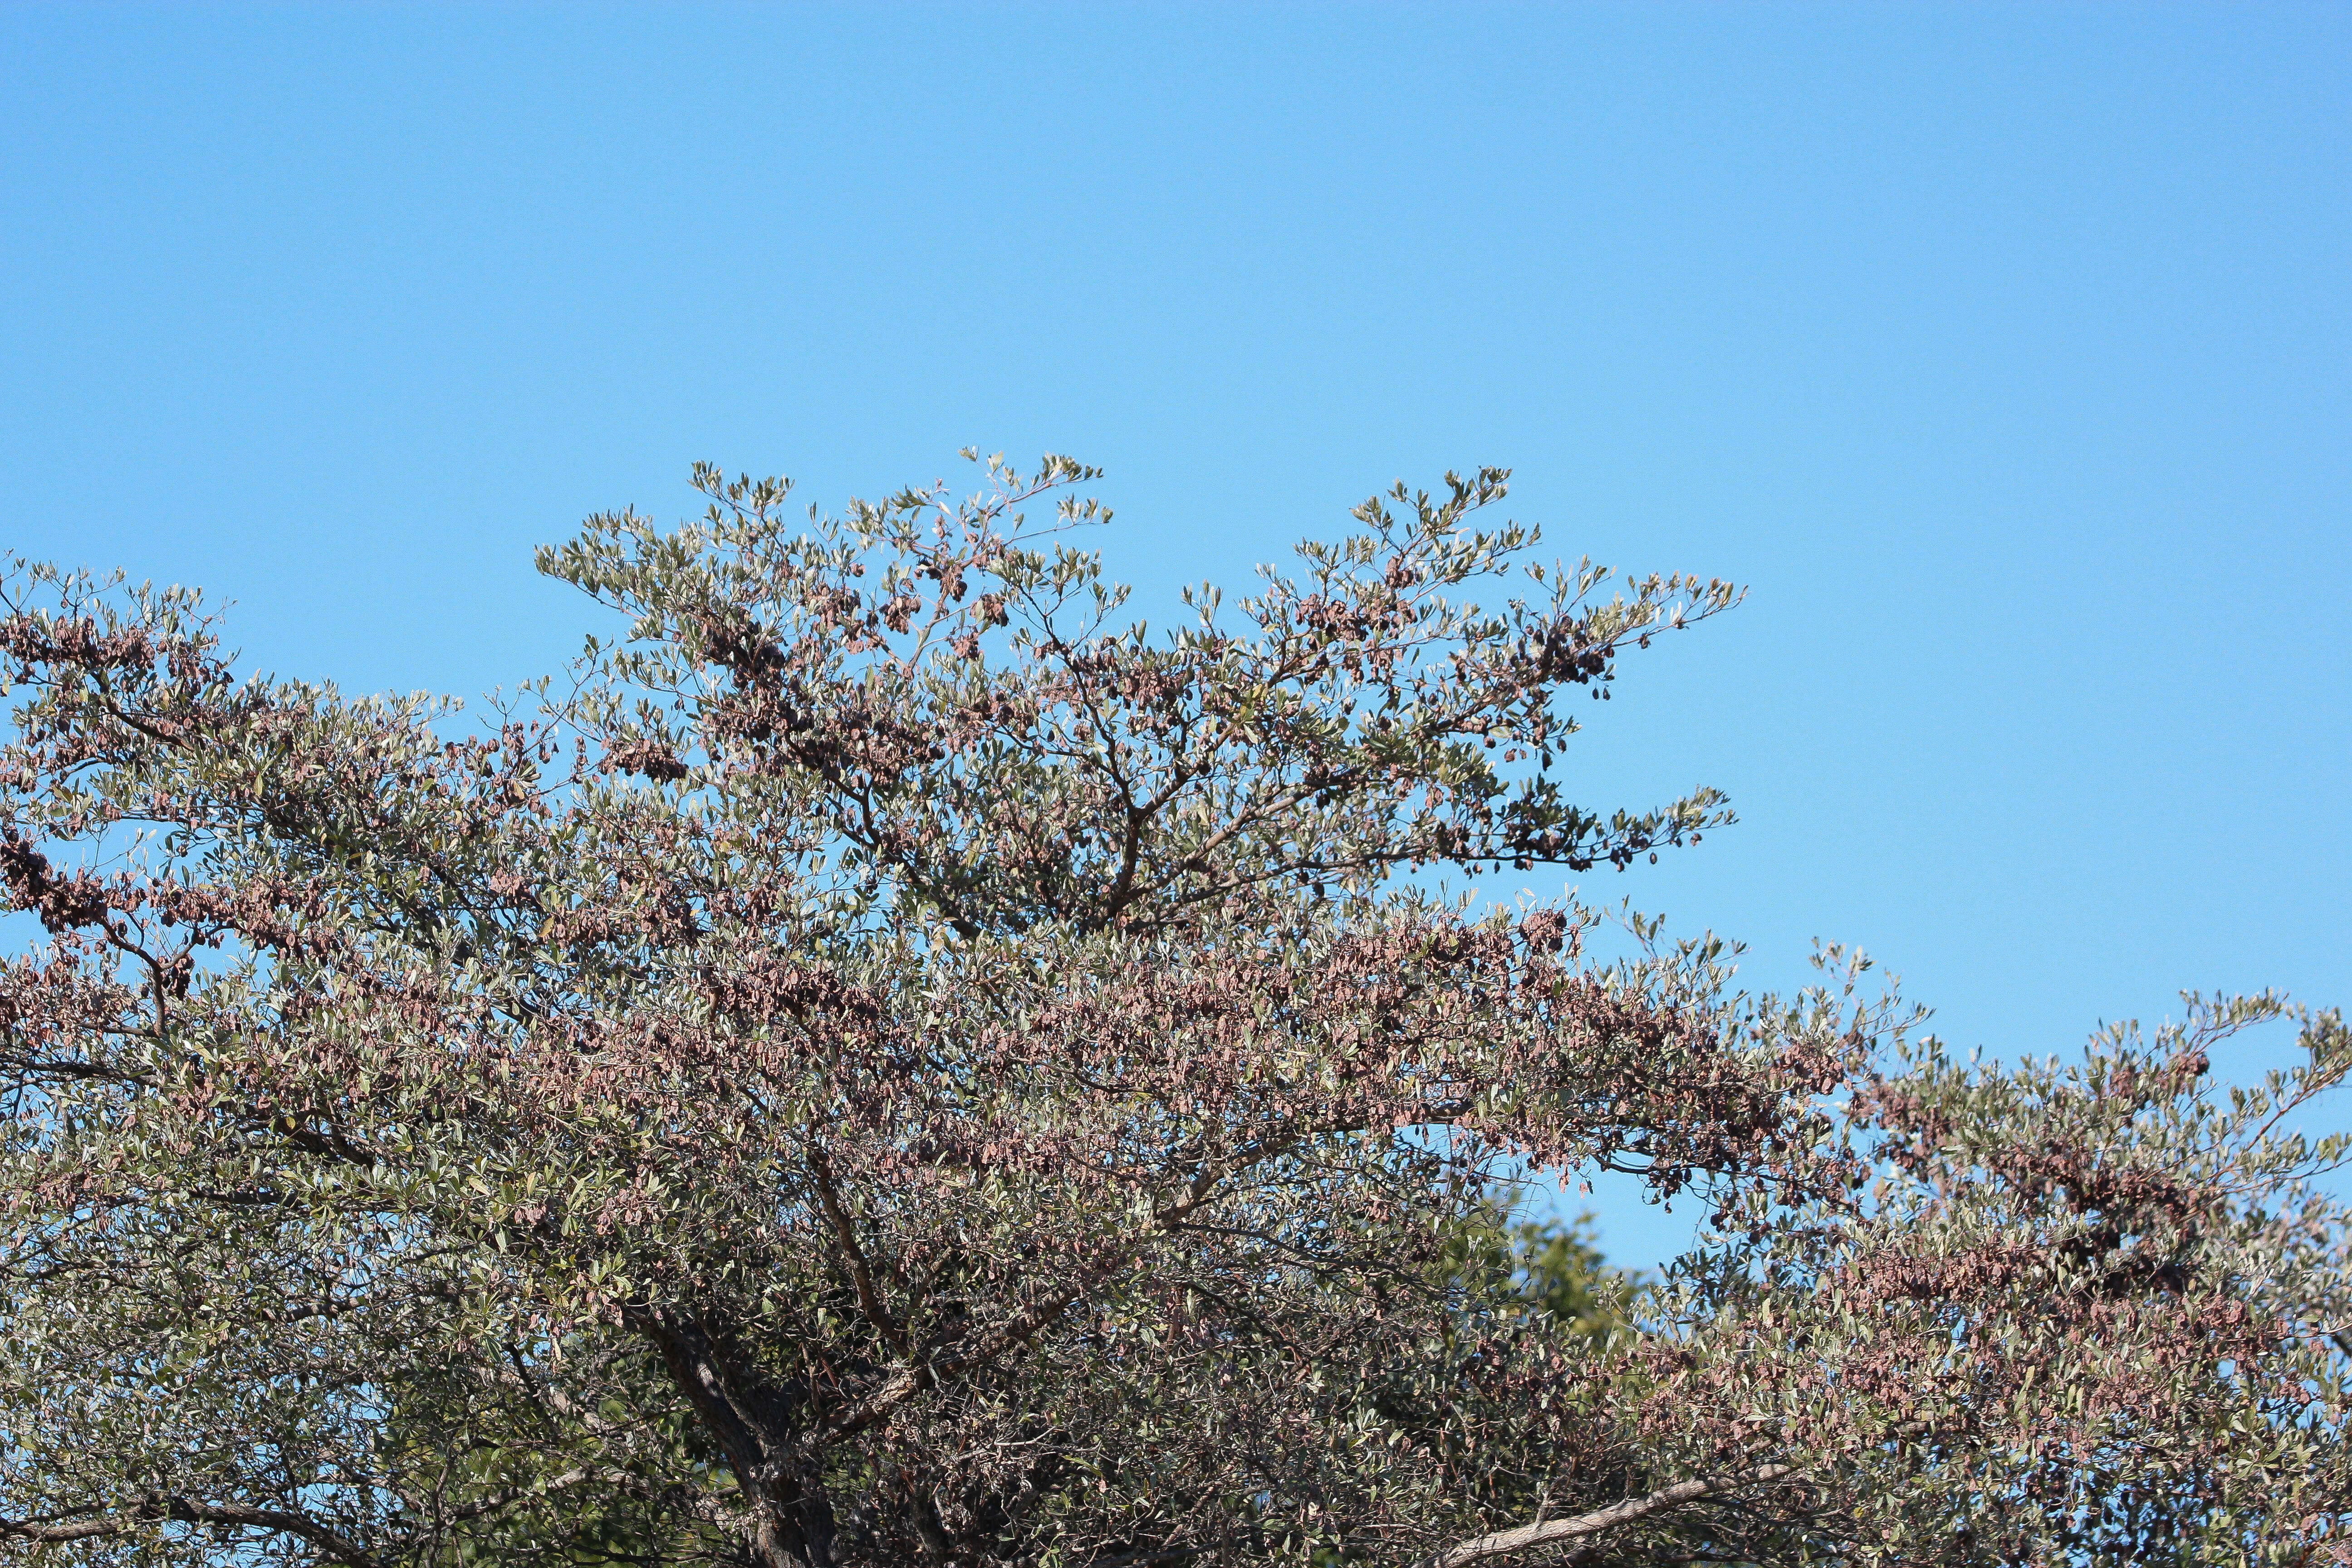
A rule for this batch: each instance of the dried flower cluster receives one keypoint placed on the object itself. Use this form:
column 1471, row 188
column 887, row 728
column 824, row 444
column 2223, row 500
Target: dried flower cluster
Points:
column 891, row 1064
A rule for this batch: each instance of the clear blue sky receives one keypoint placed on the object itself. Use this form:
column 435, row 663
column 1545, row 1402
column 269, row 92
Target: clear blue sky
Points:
column 2006, row 352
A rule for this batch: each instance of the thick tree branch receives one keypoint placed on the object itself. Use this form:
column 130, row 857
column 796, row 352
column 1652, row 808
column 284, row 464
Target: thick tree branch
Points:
column 1545, row 1532
column 332, row 1545
column 861, row 1274
column 76, row 1529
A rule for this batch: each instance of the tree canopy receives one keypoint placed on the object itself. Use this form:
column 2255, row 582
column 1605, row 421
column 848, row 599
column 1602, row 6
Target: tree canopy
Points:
column 888, row 1060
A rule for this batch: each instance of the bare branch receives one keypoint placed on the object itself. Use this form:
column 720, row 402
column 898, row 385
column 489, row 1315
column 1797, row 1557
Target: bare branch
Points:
column 1545, row 1532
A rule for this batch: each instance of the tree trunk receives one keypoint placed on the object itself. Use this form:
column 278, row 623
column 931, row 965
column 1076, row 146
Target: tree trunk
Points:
column 752, row 1420
column 793, row 1534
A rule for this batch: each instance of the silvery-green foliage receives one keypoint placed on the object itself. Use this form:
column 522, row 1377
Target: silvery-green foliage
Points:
column 890, row 1062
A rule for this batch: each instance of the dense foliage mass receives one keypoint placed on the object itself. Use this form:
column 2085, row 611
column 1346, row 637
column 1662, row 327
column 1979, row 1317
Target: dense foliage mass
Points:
column 892, row 1064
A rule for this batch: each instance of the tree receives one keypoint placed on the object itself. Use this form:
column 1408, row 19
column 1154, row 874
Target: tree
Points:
column 889, row 1064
